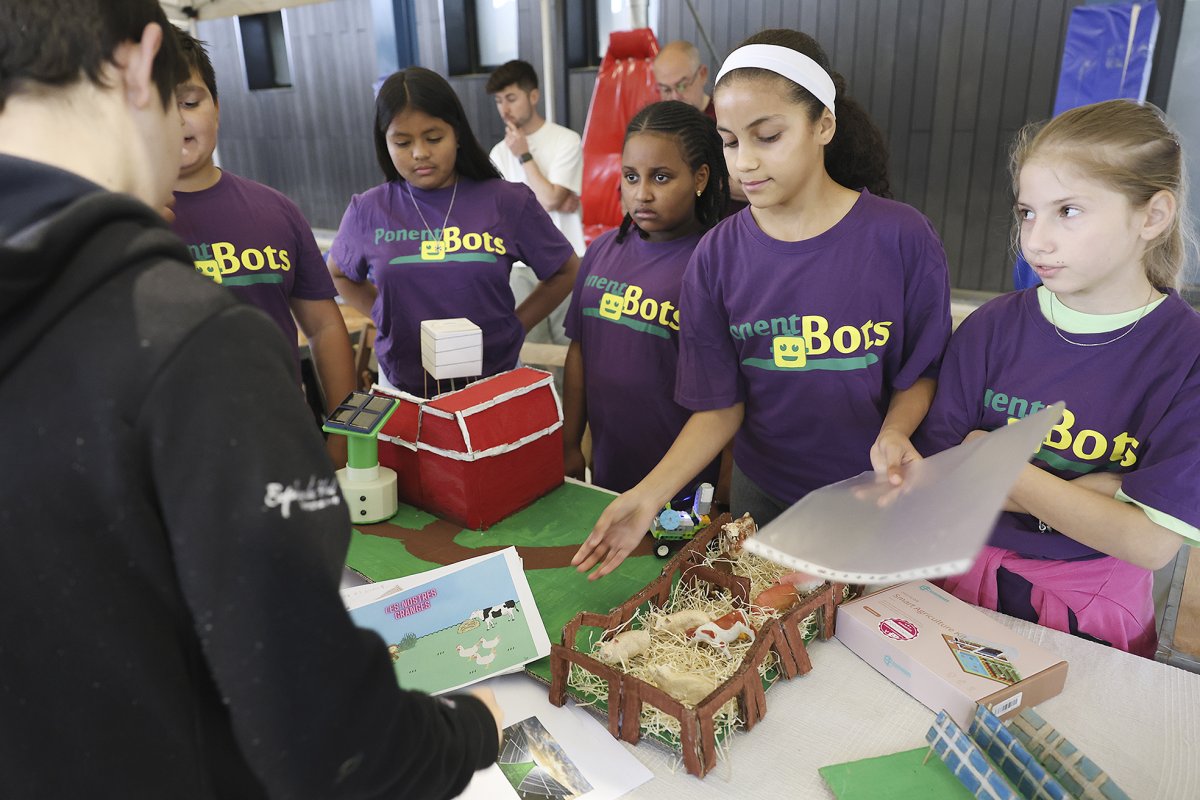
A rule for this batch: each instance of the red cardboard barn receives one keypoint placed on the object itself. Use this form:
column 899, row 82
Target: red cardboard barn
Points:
column 477, row 455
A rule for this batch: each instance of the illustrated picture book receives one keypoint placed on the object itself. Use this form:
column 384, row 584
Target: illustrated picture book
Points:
column 456, row 625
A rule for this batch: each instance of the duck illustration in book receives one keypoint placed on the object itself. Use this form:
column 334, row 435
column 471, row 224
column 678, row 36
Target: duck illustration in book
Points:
column 479, row 651
column 485, row 660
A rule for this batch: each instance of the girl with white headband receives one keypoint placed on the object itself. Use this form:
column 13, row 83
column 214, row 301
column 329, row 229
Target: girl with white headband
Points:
column 812, row 323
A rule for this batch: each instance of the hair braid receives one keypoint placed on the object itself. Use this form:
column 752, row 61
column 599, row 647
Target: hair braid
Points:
column 699, row 144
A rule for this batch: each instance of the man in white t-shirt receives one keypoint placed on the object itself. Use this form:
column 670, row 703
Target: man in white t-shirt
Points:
column 547, row 158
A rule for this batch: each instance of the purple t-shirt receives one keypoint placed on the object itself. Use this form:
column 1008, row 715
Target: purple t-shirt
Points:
column 1132, row 405
column 625, row 315
column 255, row 241
column 813, row 336
column 424, row 273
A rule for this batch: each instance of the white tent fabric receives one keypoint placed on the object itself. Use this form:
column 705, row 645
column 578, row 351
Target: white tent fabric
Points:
column 215, row 9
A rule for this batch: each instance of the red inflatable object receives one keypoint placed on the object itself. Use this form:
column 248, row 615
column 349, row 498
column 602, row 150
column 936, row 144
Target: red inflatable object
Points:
column 624, row 86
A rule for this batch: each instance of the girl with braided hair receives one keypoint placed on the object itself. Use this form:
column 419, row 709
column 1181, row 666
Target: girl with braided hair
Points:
column 624, row 315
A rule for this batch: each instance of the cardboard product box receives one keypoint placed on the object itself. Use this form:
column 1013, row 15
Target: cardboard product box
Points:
column 947, row 653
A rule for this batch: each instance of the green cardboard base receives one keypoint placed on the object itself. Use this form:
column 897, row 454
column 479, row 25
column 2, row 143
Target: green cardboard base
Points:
column 546, row 535
column 899, row 776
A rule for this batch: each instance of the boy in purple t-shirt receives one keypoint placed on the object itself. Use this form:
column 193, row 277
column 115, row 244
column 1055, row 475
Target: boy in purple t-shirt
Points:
column 253, row 240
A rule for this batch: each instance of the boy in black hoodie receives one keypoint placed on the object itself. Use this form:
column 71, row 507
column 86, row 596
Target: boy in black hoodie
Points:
column 171, row 535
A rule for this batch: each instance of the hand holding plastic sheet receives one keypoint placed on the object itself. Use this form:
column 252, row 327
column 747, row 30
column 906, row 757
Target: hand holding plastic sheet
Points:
column 864, row 530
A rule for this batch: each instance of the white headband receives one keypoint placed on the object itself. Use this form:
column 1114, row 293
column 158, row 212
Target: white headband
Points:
column 785, row 61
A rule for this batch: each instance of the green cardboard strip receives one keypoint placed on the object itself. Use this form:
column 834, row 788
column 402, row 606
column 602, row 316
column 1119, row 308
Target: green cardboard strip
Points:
column 899, row 776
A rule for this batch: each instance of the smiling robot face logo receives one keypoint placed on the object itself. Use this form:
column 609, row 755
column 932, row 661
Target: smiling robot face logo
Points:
column 788, row 352
column 433, row 250
column 610, row 305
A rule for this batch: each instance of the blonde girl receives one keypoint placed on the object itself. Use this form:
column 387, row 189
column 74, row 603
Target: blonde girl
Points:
column 1113, row 492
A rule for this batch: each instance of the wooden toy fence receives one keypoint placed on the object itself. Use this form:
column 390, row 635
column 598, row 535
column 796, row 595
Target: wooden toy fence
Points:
column 626, row 693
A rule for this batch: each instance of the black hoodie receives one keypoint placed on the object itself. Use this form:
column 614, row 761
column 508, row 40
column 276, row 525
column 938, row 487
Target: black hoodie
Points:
column 169, row 619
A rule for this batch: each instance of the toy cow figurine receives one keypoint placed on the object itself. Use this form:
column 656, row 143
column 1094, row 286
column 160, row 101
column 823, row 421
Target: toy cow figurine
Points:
column 733, row 534
column 720, row 633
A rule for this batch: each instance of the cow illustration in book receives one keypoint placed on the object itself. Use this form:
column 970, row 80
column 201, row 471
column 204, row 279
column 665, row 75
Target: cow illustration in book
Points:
column 490, row 614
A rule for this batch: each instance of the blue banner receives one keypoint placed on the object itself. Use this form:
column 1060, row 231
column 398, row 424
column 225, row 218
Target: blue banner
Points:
column 1107, row 55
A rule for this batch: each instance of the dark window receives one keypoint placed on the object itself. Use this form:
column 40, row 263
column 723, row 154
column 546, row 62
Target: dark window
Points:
column 582, row 39
column 467, row 52
column 589, row 22
column 264, row 51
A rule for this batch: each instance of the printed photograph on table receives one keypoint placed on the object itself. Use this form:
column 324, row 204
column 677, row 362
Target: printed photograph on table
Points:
column 537, row 766
column 468, row 622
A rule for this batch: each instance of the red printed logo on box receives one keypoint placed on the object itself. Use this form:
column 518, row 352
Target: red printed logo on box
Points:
column 899, row 629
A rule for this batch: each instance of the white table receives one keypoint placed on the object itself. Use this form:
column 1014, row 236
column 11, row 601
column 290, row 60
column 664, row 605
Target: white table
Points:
column 1136, row 718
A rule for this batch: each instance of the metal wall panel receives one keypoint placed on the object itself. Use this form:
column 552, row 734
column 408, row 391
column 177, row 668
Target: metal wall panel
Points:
column 311, row 141
column 948, row 81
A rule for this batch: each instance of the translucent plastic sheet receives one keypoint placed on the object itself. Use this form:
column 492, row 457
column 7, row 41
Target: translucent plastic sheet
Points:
column 864, row 530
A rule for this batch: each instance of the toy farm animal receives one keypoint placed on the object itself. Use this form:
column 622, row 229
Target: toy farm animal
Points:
column 720, row 633
column 786, row 590
column 680, row 621
column 736, row 532
column 778, row 596
column 623, row 646
column 685, row 687
column 803, row 582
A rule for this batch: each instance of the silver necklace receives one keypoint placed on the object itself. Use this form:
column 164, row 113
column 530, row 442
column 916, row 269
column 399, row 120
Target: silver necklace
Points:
column 1145, row 308
column 440, row 245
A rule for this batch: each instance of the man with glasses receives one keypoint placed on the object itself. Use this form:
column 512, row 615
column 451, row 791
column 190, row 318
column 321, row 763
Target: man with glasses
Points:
column 680, row 75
